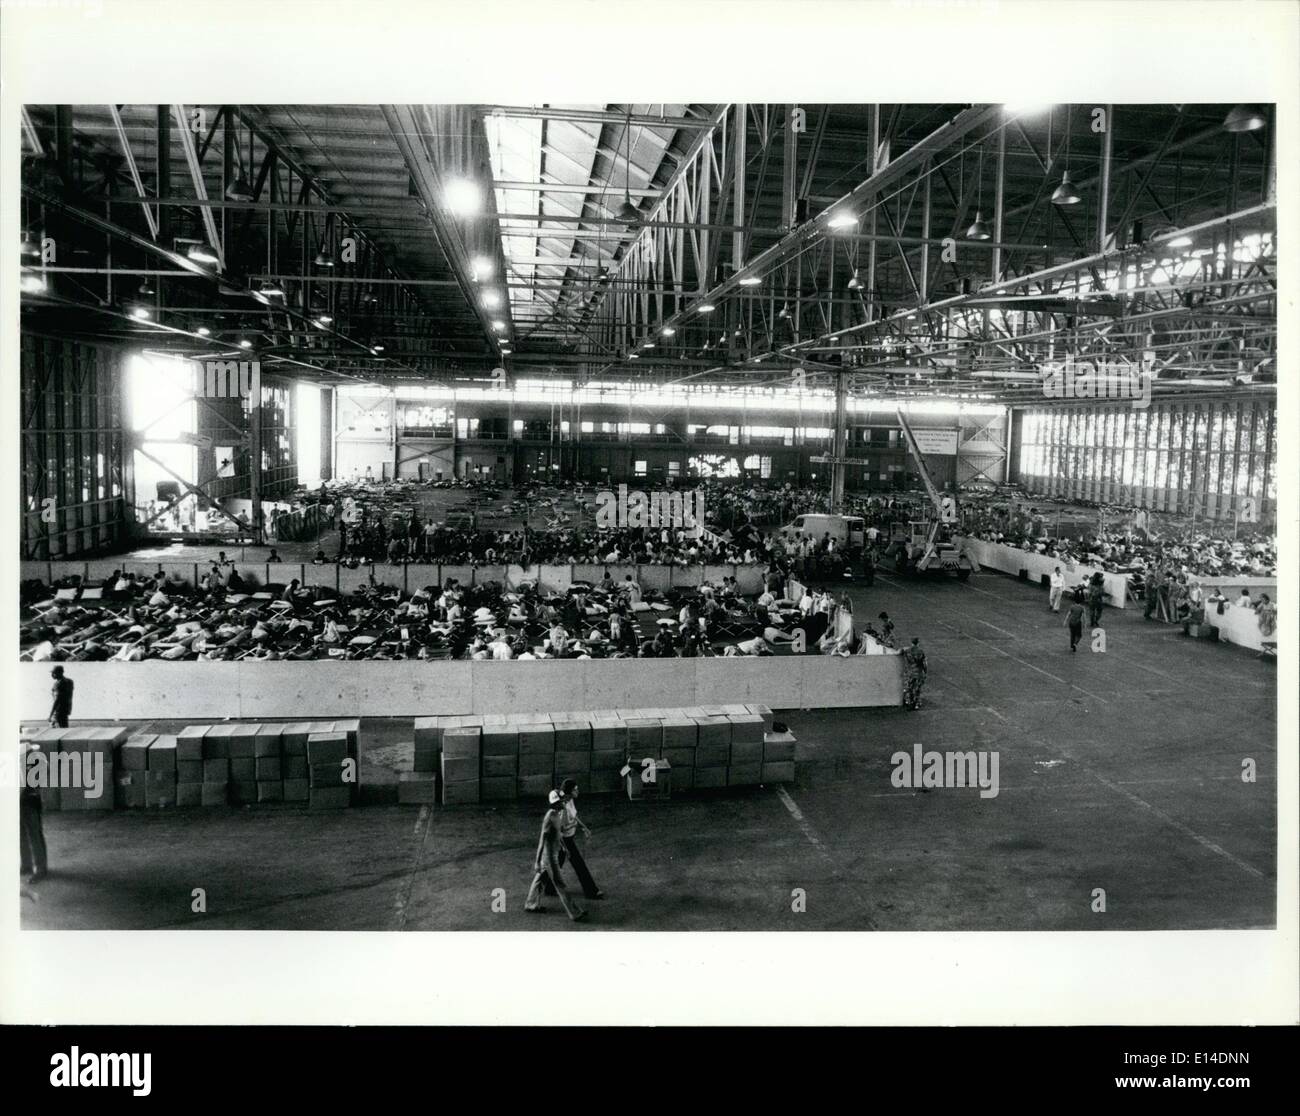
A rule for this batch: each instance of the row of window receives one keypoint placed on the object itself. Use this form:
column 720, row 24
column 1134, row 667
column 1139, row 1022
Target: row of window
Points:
column 1194, row 450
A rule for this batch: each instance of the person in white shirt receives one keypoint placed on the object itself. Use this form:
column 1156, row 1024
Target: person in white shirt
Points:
column 806, row 603
column 1056, row 586
column 1244, row 600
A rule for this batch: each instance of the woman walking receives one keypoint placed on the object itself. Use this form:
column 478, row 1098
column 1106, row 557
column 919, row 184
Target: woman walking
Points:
column 546, row 864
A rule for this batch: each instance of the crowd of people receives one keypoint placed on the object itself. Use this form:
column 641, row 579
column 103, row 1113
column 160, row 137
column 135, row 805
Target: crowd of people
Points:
column 131, row 618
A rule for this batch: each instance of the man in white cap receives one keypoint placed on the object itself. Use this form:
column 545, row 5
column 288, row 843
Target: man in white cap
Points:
column 546, row 864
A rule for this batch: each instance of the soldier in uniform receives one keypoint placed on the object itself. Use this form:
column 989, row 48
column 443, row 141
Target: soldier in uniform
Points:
column 915, row 665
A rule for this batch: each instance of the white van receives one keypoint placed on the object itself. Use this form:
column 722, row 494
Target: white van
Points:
column 848, row 531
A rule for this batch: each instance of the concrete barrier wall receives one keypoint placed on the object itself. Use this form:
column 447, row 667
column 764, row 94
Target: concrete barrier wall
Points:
column 1239, row 626
column 324, row 688
column 1011, row 560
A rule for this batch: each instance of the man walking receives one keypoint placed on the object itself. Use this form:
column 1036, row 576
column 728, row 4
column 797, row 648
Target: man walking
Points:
column 61, row 691
column 31, row 835
column 1056, row 586
column 570, row 823
column 1096, row 598
column 1074, row 620
column 546, row 865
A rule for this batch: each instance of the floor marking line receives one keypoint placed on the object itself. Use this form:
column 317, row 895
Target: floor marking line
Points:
column 997, row 629
column 816, row 843
column 1022, row 662
column 1205, row 842
column 404, row 892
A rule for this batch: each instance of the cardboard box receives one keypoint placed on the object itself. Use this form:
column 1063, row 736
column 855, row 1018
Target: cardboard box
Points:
column 462, row 742
column 536, row 739
column 713, row 755
column 134, row 755
column 608, row 735
column 189, row 794
column 297, row 790
column 608, row 761
column 603, row 781
column 745, row 774
column 330, row 775
column 569, row 765
column 162, row 755
column 500, row 767
column 417, row 788
column 710, row 777
column 329, row 798
column 294, row 767
column 215, row 794
column 268, row 742
column 243, row 791
column 293, row 739
column 460, row 794
column 216, row 742
column 427, row 755
column 746, row 727
column 573, row 736
column 778, row 747
column 534, row 788
column 189, row 743
column 678, row 732
column 497, row 789
column 270, row 790
column 326, row 748
column 683, row 778
column 644, row 737
column 778, row 772
column 764, row 712
column 536, row 763
column 268, row 769
column 241, row 741
column 101, row 739
column 713, row 730
column 51, row 798
column 243, row 769
column 129, row 790
column 429, row 730
column 216, row 771
column 189, row 771
column 639, row 789
column 500, row 740
column 679, row 757
column 746, row 753
column 459, row 769
column 351, row 728
column 159, row 790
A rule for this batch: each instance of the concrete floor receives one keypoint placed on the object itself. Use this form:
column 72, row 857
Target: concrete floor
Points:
column 1119, row 770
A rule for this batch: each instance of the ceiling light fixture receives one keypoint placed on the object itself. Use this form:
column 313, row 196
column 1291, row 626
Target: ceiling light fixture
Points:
column 33, row 283
column 491, row 299
column 706, row 308
column 499, row 326
column 202, row 253
column 30, row 247
column 1065, row 193
column 855, row 283
column 750, row 281
column 668, row 331
column 245, row 344
column 239, row 190
column 462, row 197
column 1245, row 118
column 482, row 268
column 139, row 313
column 203, row 331
column 978, row 229
column 842, row 219
column 324, row 320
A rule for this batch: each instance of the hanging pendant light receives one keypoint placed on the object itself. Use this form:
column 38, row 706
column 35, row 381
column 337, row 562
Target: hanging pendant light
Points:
column 978, row 229
column 627, row 213
column 1065, row 193
column 855, row 283
column 239, row 190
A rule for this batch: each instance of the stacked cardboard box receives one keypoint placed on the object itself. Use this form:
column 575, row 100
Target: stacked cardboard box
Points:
column 47, row 740
column 268, row 762
column 536, row 759
column 327, row 753
column 608, row 752
column 86, row 760
column 746, row 767
column 713, row 749
column 189, row 769
column 293, row 762
column 680, row 743
column 243, row 761
column 778, row 757
column 131, row 772
column 461, row 762
column 499, row 744
column 160, row 778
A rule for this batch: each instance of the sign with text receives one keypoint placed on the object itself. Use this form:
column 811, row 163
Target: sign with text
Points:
column 936, row 441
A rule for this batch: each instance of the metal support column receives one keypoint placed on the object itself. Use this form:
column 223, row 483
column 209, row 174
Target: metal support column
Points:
column 839, row 447
column 1103, row 195
column 789, row 165
column 255, row 448
column 738, row 185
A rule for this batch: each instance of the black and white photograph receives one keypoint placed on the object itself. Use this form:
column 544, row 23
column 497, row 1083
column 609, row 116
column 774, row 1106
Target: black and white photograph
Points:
column 569, row 515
